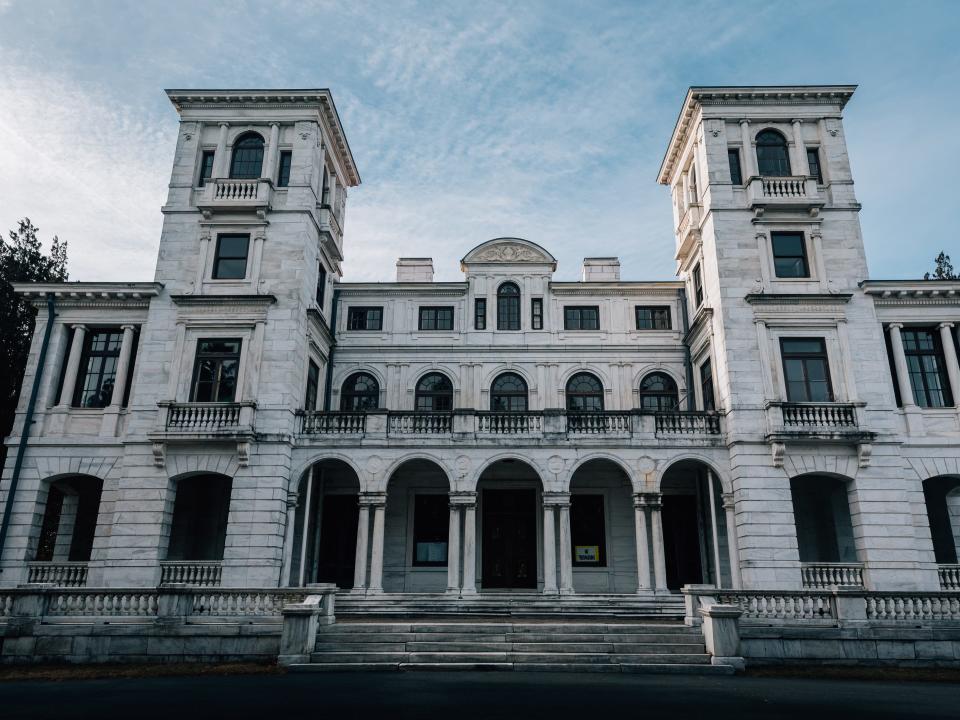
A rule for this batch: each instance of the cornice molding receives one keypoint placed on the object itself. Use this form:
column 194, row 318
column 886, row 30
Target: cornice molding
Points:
column 223, row 300
column 794, row 300
column 90, row 294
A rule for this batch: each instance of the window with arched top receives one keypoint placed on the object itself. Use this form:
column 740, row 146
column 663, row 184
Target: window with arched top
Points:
column 360, row 391
column 508, row 393
column 434, row 393
column 773, row 158
column 508, row 307
column 584, row 393
column 658, row 391
column 247, row 159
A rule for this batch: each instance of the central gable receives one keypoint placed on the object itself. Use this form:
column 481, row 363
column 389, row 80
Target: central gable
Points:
column 509, row 251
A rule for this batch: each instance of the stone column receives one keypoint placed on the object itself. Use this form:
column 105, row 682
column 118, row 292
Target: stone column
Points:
column 73, row 366
column 221, row 163
column 549, row 551
column 659, row 560
column 470, row 548
column 643, row 550
column 714, row 530
column 292, row 498
column 749, row 156
column 123, row 366
column 360, row 566
column 732, row 549
column 453, row 550
column 305, row 532
column 900, row 363
column 566, row 560
column 376, row 560
column 269, row 169
column 950, row 358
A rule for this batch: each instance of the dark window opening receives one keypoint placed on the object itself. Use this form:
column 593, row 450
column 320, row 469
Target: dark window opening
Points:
column 508, row 307
column 706, row 386
column 365, row 318
column 658, row 392
column 736, row 174
column 247, row 160
column 581, row 318
column 313, row 386
column 821, row 511
column 283, row 169
column 98, row 368
column 230, row 259
column 360, row 391
column 206, row 167
column 584, row 393
column 215, row 370
column 69, row 521
column 321, row 284
column 436, row 318
column 697, row 286
column 806, row 369
column 813, row 161
column 587, row 532
column 508, row 394
column 927, row 367
column 653, row 318
column 536, row 313
column 789, row 255
column 480, row 313
column 773, row 159
column 200, row 511
column 434, row 393
column 431, row 528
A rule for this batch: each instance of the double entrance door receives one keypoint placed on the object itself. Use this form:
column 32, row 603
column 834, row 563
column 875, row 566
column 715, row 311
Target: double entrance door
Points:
column 509, row 542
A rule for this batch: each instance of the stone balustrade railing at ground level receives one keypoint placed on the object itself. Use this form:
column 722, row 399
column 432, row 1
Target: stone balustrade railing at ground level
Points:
column 202, row 573
column 823, row 576
column 949, row 575
column 61, row 574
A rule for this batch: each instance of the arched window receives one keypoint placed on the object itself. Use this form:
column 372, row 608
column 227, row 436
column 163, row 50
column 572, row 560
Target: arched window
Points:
column 247, row 160
column 434, row 393
column 658, row 391
column 772, row 156
column 360, row 391
column 508, row 394
column 584, row 393
column 508, row 307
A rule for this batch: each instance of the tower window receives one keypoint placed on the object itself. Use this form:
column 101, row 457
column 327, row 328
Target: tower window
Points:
column 813, row 162
column 581, row 318
column 536, row 313
column 653, row 318
column 247, row 160
column 697, row 286
column 789, row 255
column 365, row 318
column 927, row 368
column 206, row 167
column 508, row 307
column 313, row 386
column 283, row 169
column 321, row 283
column 773, row 160
column 230, row 261
column 215, row 371
column 736, row 175
column 480, row 313
column 806, row 369
column 706, row 386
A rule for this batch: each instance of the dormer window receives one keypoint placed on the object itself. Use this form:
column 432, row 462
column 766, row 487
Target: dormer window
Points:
column 773, row 160
column 247, row 160
column 508, row 307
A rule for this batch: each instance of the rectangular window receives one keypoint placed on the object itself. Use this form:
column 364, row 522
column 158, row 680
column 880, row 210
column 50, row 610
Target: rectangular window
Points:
column 365, row 318
column 806, row 369
column 587, row 532
column 927, row 368
column 789, row 255
column 813, row 161
column 436, row 318
column 536, row 313
column 215, row 370
column 706, row 386
column 283, row 169
column 321, row 283
column 697, row 286
column 98, row 368
column 325, row 188
column 581, row 318
column 313, row 386
column 430, row 530
column 206, row 167
column 653, row 318
column 480, row 313
column 736, row 175
column 230, row 260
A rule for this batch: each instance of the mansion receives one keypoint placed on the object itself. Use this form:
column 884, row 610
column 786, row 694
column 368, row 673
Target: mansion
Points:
column 771, row 419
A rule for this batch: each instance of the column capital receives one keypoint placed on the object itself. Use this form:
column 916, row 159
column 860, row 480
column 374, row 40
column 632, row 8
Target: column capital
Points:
column 895, row 325
column 462, row 499
column 744, row 122
column 128, row 326
column 728, row 502
column 224, row 124
column 945, row 325
column 79, row 326
column 373, row 499
column 556, row 499
column 275, row 124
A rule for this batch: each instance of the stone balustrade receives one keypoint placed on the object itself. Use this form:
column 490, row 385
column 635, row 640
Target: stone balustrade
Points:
column 821, row 576
column 913, row 607
column 232, row 194
column 206, row 417
column 949, row 576
column 819, row 415
column 784, row 192
column 509, row 423
column 234, row 190
column 599, row 423
column 687, row 423
column 333, row 423
column 784, row 187
column 420, row 423
column 61, row 574
column 202, row 573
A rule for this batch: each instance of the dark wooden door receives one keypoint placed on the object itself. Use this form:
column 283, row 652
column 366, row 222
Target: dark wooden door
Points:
column 510, row 538
column 681, row 541
column 338, row 540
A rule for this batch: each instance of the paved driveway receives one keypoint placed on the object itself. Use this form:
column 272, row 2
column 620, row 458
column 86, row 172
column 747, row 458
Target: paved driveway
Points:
column 463, row 696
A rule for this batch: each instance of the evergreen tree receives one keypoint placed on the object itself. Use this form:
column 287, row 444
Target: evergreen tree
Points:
column 944, row 269
column 21, row 260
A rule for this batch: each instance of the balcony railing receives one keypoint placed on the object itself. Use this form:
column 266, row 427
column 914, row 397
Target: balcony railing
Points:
column 509, row 423
column 949, row 576
column 200, row 573
column 598, row 423
column 687, row 423
column 61, row 574
column 785, row 192
column 204, row 417
column 820, row 576
column 420, row 423
column 235, row 194
column 334, row 423
column 819, row 415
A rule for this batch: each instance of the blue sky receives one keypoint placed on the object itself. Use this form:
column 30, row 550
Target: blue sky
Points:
column 543, row 120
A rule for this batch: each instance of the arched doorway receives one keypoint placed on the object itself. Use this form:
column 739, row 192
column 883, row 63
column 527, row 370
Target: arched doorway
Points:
column 508, row 500
column 416, row 537
column 198, row 528
column 325, row 529
column 602, row 531
column 695, row 541
column 69, row 519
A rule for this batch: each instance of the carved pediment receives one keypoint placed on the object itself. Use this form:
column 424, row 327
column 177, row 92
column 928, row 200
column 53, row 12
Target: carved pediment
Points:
column 509, row 250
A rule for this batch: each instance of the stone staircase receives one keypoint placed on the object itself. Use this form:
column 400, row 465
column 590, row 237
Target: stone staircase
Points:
column 545, row 645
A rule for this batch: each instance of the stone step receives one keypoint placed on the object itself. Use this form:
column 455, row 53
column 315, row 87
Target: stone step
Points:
column 653, row 668
column 472, row 628
column 486, row 646
column 511, row 656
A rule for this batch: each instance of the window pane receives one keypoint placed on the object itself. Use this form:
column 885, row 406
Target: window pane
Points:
column 247, row 160
column 231, row 257
column 283, row 172
column 736, row 176
column 480, row 314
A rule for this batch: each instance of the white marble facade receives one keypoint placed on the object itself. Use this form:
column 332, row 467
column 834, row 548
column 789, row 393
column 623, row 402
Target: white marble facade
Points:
column 220, row 446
